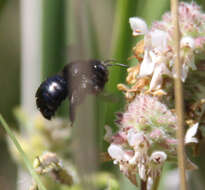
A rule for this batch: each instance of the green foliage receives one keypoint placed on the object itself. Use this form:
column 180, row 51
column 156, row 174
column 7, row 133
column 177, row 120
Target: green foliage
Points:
column 22, row 153
column 120, row 51
column 55, row 15
column 53, row 36
column 2, row 3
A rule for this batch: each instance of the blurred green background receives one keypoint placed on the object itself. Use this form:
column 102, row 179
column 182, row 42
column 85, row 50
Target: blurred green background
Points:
column 36, row 40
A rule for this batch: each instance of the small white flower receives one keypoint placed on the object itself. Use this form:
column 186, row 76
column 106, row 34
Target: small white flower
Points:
column 142, row 171
column 159, row 71
column 158, row 157
column 147, row 65
column 156, row 81
column 159, row 39
column 155, row 57
column 191, row 133
column 116, row 152
column 185, row 70
column 133, row 137
column 138, row 141
column 138, row 26
column 187, row 64
column 188, row 42
column 149, row 183
column 134, row 159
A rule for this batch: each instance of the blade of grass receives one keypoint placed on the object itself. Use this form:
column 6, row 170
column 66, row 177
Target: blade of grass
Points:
column 22, row 153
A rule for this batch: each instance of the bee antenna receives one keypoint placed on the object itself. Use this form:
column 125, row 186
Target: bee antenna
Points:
column 115, row 63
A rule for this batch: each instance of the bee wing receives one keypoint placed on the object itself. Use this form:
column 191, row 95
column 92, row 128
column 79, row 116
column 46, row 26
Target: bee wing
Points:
column 72, row 107
column 74, row 100
column 72, row 110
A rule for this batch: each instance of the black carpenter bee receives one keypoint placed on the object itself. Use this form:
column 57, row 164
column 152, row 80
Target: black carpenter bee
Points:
column 77, row 79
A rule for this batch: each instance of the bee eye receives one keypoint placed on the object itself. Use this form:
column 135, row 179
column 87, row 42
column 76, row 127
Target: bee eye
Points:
column 99, row 68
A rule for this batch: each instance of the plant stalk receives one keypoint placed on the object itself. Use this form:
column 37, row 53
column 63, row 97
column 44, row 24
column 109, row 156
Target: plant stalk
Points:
column 156, row 183
column 179, row 97
column 143, row 185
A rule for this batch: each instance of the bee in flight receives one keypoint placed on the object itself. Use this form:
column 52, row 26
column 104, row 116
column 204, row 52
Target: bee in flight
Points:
column 75, row 81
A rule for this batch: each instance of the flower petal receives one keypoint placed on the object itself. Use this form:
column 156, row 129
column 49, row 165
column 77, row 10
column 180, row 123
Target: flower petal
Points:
column 147, row 65
column 191, row 133
column 157, row 76
column 159, row 39
column 158, row 157
column 187, row 42
column 116, row 152
column 138, row 26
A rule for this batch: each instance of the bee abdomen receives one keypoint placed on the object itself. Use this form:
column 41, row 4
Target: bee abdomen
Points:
column 50, row 94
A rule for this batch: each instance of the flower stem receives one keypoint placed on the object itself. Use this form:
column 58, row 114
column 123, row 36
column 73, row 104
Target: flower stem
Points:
column 179, row 96
column 143, row 185
column 156, row 183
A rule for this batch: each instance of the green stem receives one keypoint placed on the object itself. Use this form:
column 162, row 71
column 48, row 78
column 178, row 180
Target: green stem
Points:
column 22, row 153
column 156, row 183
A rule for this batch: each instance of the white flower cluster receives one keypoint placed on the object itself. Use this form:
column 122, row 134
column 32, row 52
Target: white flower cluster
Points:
column 158, row 41
column 145, row 140
column 147, row 129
